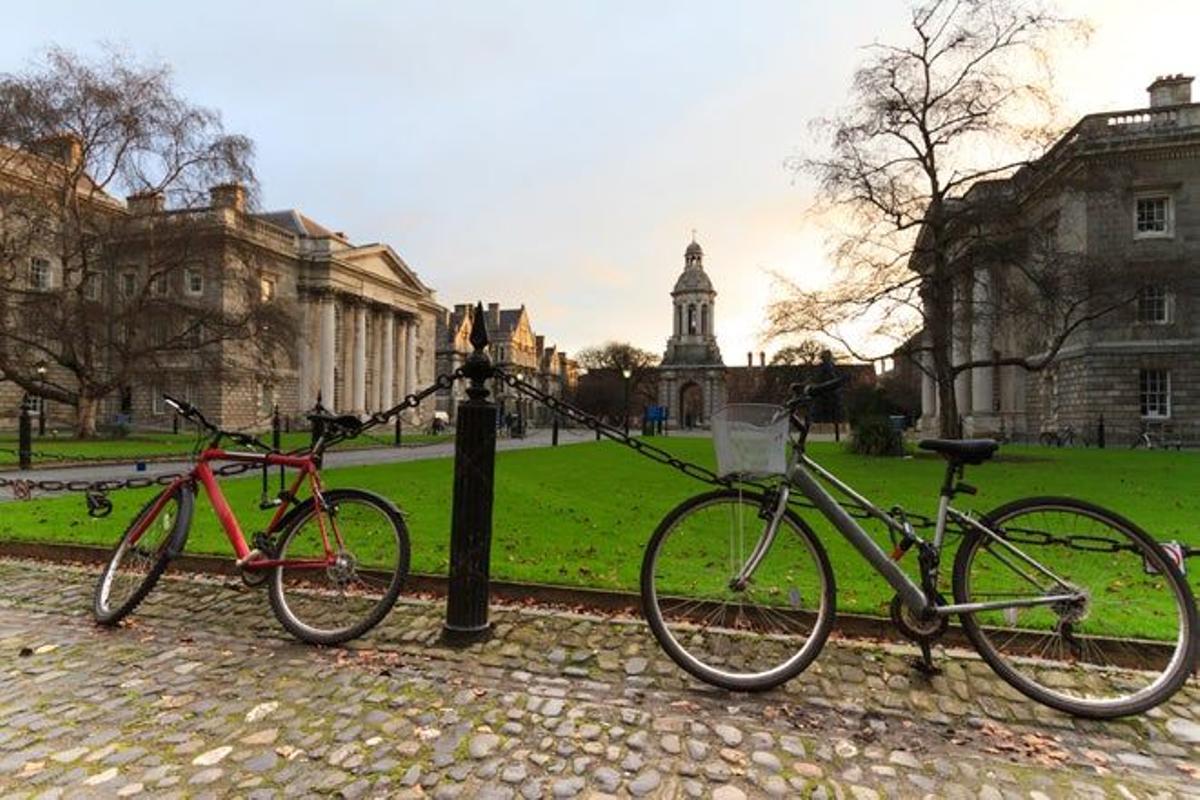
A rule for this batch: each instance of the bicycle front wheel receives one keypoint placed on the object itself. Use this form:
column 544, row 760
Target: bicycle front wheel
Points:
column 142, row 554
column 1124, row 643
column 748, row 635
column 349, row 561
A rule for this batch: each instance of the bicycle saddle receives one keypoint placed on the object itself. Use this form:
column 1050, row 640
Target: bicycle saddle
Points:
column 964, row 451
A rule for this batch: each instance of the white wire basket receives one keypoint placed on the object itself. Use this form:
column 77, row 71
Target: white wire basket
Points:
column 751, row 439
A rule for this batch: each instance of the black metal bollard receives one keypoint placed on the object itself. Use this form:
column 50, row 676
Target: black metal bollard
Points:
column 471, row 520
column 174, row 423
column 1100, row 433
column 397, row 442
column 25, row 439
column 597, row 434
column 554, row 432
column 276, row 429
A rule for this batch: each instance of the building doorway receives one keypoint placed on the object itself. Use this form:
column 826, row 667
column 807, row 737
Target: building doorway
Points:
column 691, row 405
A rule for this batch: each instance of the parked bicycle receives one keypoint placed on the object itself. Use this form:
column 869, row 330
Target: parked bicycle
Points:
column 1156, row 438
column 1060, row 437
column 335, row 562
column 739, row 591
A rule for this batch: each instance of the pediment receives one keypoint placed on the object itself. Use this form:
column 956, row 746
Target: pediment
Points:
column 382, row 262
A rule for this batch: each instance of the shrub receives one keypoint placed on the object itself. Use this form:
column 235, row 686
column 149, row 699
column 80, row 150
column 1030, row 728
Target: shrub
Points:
column 875, row 436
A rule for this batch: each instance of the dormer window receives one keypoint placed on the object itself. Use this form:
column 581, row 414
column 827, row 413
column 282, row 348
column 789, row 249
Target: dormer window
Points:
column 1153, row 217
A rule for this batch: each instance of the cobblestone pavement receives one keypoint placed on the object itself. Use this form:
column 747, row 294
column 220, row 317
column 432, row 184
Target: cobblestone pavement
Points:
column 203, row 696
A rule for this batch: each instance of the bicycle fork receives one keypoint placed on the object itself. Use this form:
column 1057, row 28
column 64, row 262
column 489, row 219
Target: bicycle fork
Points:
column 773, row 516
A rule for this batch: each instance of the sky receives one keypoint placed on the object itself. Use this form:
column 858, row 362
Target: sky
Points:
column 559, row 153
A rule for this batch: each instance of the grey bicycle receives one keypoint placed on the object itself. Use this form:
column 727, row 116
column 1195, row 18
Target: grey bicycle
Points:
column 1071, row 604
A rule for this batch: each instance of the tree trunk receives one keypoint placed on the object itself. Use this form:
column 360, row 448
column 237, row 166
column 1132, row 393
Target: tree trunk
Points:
column 85, row 416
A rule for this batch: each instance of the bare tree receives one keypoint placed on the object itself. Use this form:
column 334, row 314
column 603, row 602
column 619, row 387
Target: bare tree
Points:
column 602, row 390
column 96, row 294
column 925, row 166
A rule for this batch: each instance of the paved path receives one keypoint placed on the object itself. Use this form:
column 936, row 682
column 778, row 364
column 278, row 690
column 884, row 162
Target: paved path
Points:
column 202, row 696
column 334, row 458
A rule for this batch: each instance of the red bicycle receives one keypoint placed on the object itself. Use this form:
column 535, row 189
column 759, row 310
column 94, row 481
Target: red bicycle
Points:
column 335, row 561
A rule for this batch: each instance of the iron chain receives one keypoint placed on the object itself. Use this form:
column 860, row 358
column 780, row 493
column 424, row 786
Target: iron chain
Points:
column 654, row 453
column 96, row 491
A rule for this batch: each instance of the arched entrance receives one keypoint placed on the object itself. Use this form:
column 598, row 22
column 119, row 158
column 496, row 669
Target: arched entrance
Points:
column 691, row 405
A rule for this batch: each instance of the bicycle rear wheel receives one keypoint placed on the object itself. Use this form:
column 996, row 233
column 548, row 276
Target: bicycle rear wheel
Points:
column 142, row 554
column 1126, row 645
column 336, row 602
column 748, row 638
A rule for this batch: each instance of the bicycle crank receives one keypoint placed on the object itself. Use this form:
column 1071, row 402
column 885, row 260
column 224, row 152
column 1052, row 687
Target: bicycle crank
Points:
column 922, row 630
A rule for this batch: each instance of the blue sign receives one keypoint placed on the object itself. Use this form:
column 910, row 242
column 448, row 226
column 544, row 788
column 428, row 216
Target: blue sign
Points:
column 656, row 413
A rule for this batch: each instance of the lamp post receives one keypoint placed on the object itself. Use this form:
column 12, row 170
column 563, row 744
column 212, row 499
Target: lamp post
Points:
column 627, row 373
column 520, row 426
column 41, row 373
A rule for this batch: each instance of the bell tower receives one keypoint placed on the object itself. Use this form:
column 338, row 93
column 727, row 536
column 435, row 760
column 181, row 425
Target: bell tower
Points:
column 693, row 339
column 692, row 376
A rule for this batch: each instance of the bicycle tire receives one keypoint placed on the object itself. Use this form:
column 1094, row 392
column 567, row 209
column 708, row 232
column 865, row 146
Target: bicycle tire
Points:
column 1098, row 662
column 288, row 613
column 697, row 665
column 169, row 540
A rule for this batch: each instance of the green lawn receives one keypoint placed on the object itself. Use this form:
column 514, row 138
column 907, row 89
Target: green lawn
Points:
column 157, row 445
column 581, row 514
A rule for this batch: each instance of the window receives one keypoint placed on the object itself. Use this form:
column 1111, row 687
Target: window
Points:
column 1154, row 392
column 267, row 403
column 157, row 406
column 691, row 320
column 1152, row 217
column 158, row 285
column 1153, row 305
column 267, row 286
column 128, row 284
column 39, row 274
column 193, row 282
column 91, row 286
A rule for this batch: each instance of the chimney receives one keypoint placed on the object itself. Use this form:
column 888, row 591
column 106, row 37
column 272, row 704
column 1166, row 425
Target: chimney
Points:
column 1170, row 90
column 750, row 359
column 65, row 148
column 228, row 195
column 493, row 316
column 146, row 203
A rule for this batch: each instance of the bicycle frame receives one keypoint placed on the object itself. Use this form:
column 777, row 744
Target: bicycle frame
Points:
column 204, row 474
column 803, row 476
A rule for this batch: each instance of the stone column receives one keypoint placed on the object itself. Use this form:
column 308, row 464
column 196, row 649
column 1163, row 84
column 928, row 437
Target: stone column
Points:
column 410, row 357
column 358, row 396
column 983, row 419
column 388, row 377
column 959, row 348
column 304, row 362
column 377, row 361
column 326, row 350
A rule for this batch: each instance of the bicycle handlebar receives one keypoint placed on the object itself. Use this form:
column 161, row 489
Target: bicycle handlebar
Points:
column 190, row 412
column 803, row 394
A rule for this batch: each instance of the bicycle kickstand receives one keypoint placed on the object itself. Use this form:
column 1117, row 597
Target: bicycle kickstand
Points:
column 924, row 664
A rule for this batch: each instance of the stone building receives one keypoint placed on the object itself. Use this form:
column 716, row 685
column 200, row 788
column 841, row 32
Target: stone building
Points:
column 365, row 322
column 1120, row 189
column 514, row 347
column 691, row 378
